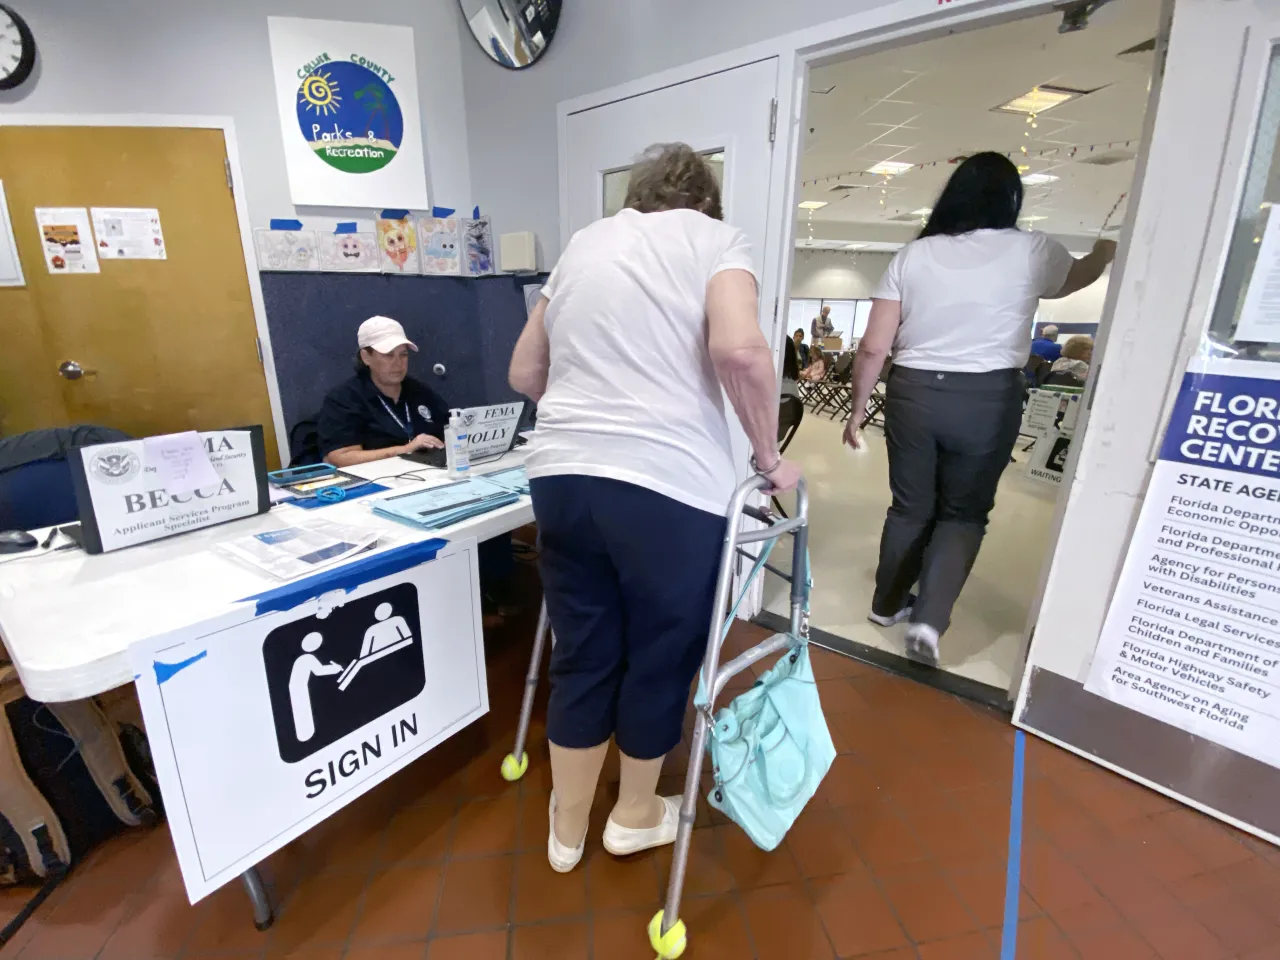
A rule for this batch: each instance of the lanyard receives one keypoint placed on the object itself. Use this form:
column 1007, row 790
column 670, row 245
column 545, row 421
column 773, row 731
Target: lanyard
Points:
column 407, row 424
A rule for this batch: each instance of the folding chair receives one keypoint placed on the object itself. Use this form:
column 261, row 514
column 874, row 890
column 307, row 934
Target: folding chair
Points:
column 838, row 384
column 874, row 414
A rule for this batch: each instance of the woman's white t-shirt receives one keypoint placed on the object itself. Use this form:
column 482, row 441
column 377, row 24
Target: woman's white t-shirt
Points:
column 631, row 393
column 968, row 301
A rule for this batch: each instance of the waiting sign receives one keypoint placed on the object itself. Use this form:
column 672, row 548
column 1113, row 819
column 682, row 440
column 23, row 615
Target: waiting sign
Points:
column 262, row 725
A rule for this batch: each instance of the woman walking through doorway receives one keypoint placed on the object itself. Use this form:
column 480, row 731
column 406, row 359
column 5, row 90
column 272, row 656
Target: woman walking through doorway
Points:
column 955, row 308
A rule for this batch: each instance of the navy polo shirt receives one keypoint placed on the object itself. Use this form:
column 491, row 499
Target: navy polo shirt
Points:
column 357, row 414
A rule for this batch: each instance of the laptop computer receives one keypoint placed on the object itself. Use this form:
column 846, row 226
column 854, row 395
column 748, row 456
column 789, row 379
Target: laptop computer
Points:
column 493, row 431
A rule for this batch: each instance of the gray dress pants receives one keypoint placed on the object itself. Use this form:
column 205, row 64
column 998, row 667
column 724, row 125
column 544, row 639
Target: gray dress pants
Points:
column 950, row 436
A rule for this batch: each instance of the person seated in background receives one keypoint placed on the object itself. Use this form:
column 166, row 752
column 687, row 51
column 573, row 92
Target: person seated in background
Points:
column 381, row 411
column 816, row 370
column 1077, row 353
column 802, row 349
column 1046, row 345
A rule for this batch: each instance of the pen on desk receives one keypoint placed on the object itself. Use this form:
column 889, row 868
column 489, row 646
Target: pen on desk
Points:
column 49, row 539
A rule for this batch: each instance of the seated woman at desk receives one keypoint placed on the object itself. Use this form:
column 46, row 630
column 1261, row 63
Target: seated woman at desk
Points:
column 380, row 412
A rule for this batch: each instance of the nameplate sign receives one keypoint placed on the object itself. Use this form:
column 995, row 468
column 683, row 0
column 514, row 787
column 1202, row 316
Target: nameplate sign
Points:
column 491, row 429
column 124, row 497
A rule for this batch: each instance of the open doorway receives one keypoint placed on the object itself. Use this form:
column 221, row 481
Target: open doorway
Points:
column 884, row 131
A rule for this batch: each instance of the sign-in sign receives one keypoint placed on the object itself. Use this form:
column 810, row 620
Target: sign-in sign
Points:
column 263, row 725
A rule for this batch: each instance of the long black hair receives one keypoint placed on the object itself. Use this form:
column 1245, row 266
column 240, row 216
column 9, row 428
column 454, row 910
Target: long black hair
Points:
column 985, row 193
column 790, row 360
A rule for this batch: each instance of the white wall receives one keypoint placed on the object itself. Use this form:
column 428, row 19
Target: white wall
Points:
column 836, row 276
column 189, row 57
column 1082, row 307
column 511, row 115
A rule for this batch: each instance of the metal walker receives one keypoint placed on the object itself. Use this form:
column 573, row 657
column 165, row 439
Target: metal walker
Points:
column 669, row 937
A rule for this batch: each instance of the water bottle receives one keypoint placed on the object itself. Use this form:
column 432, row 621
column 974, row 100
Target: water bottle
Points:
column 456, row 439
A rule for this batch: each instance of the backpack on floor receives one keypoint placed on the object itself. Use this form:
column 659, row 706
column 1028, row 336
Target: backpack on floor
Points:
column 65, row 785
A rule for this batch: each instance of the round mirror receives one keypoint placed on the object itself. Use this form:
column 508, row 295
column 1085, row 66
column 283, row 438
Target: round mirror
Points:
column 514, row 33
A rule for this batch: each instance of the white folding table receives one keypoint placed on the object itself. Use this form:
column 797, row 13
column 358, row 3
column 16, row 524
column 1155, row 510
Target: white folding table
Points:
column 68, row 619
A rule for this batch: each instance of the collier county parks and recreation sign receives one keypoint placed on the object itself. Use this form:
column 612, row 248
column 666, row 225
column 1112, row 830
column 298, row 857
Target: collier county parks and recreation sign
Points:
column 348, row 100
column 1192, row 636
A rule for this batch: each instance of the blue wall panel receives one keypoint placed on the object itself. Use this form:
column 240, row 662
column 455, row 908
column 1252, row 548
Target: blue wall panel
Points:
column 470, row 326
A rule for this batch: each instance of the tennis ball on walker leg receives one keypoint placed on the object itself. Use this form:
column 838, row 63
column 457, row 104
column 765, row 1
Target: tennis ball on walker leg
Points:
column 513, row 769
column 669, row 945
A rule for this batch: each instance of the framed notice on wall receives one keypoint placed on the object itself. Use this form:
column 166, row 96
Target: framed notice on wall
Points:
column 348, row 100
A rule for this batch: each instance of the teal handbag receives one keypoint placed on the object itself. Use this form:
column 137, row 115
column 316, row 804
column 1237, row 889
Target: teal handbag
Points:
column 770, row 748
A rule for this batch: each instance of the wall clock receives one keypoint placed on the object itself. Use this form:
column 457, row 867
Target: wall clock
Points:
column 17, row 49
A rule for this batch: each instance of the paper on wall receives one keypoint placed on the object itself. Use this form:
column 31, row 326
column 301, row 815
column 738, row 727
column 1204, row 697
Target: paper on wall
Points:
column 1260, row 317
column 181, row 462
column 10, row 262
column 128, row 233
column 349, row 252
column 67, row 239
column 477, row 242
column 286, row 249
column 398, row 246
column 439, row 241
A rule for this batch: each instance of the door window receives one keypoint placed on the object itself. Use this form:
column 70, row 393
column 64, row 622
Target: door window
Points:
column 1258, row 206
column 617, row 181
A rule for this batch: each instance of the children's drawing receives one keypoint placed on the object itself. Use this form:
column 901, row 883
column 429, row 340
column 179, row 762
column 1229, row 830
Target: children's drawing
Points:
column 479, row 246
column 398, row 246
column 349, row 252
column 439, row 240
column 286, row 249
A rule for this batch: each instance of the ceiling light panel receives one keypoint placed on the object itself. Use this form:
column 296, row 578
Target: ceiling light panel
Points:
column 1041, row 98
column 890, row 168
column 1038, row 179
column 812, row 204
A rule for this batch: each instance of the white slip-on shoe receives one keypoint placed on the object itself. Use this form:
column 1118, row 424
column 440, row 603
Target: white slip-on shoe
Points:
column 891, row 619
column 624, row 841
column 922, row 644
column 562, row 858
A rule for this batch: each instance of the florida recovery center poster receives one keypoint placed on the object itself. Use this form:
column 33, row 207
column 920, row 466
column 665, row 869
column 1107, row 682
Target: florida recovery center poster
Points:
column 1192, row 636
column 348, row 100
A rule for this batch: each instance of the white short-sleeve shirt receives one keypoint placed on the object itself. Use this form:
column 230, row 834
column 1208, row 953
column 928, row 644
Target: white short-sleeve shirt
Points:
column 631, row 392
column 968, row 301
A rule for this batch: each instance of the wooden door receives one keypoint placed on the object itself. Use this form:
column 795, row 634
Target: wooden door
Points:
column 172, row 344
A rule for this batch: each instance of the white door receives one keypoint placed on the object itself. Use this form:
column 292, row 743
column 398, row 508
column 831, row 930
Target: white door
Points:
column 729, row 117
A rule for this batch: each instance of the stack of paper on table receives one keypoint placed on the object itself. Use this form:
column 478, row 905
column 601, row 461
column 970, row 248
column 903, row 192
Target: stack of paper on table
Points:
column 301, row 549
column 515, row 479
column 441, row 507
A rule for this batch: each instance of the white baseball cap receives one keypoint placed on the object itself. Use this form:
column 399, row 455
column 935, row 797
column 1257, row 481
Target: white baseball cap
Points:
column 383, row 335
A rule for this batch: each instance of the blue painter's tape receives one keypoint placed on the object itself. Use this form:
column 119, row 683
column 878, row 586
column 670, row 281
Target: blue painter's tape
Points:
column 1013, row 872
column 475, row 214
column 348, row 576
column 347, row 226
column 443, row 211
column 286, row 224
column 166, row 671
column 394, row 214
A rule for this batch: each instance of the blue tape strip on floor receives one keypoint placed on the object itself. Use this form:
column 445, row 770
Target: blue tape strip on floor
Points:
column 1013, row 875
column 347, row 577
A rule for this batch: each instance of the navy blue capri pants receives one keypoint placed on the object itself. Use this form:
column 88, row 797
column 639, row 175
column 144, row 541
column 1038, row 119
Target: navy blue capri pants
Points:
column 629, row 577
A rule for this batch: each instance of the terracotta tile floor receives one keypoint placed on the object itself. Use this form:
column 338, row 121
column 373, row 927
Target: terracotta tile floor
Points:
column 901, row 857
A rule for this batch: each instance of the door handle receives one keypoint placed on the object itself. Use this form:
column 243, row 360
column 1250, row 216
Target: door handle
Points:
column 70, row 370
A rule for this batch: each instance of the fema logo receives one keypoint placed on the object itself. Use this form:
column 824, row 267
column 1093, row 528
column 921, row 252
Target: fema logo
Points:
column 114, row 465
column 349, row 116
column 468, row 418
